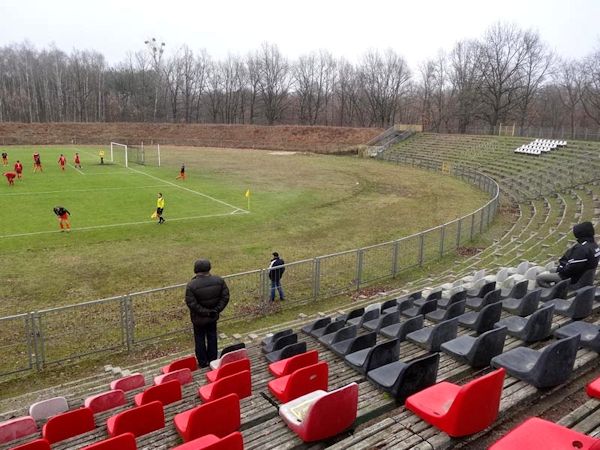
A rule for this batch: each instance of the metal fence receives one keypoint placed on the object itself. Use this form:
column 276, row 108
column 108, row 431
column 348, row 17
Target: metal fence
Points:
column 39, row 339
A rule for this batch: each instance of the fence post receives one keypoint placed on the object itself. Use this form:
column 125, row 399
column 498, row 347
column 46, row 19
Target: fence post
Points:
column 316, row 278
column 359, row 267
column 421, row 248
column 458, row 230
column 481, row 221
column 442, row 237
column 262, row 279
column 395, row 252
column 38, row 340
column 472, row 225
column 128, row 319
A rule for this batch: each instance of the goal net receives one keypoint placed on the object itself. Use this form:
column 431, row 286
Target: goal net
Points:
column 143, row 154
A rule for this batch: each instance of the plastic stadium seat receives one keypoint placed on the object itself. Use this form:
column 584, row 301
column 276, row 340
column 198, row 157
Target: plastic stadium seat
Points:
column 593, row 388
column 537, row 434
column 587, row 279
column 428, row 306
column 183, row 376
column 391, row 305
column 68, row 424
column 228, row 369
column 165, row 393
column 460, row 410
column 279, row 343
column 480, row 292
column 543, row 368
column 519, row 290
column 273, row 337
column 559, row 290
column 219, row 417
column 286, row 352
column 456, row 297
column 355, row 344
column 125, row 441
column 343, row 334
column 367, row 316
column 139, row 420
column 533, row 328
column 431, row 338
column 382, row 321
column 234, row 441
column 354, row 314
column 189, row 362
column 317, row 324
column 321, row 415
column 440, row 315
column 105, row 400
column 239, row 383
column 289, row 365
column 399, row 330
column 47, row 408
column 484, row 320
column 301, row 382
column 477, row 303
column 331, row 327
column 577, row 308
column 241, row 353
column 523, row 306
column 402, row 380
column 477, row 352
column 38, row 444
column 588, row 333
column 129, row 383
column 374, row 357
column 17, row 428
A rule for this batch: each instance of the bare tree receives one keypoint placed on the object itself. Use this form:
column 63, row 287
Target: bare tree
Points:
column 591, row 86
column 569, row 84
column 273, row 81
column 465, row 78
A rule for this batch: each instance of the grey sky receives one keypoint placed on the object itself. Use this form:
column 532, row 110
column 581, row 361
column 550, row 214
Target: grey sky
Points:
column 416, row 29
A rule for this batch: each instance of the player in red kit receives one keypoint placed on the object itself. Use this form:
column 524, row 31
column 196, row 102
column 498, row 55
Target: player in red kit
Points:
column 37, row 162
column 10, row 177
column 77, row 161
column 19, row 169
column 62, row 161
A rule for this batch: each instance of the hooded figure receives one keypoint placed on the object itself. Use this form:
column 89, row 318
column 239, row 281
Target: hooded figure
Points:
column 582, row 256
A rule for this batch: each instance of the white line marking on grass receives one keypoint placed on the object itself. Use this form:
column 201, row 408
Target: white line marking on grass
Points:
column 113, row 225
column 69, row 164
column 8, row 194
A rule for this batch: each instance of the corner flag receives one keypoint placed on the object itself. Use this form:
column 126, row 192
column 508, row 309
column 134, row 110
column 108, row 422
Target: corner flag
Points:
column 247, row 195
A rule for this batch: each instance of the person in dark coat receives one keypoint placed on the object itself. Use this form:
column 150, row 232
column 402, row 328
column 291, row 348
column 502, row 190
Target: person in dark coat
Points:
column 578, row 259
column 275, row 274
column 206, row 296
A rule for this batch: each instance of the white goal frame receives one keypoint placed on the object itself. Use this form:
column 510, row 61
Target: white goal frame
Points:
column 112, row 158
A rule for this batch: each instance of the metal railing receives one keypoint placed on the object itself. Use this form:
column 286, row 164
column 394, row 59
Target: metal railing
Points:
column 39, row 339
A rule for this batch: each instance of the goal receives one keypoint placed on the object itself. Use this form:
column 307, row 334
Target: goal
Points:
column 148, row 155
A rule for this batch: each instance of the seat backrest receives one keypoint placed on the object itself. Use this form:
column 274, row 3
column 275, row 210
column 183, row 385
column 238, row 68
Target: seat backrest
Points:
column 487, row 317
column 370, row 315
column 358, row 312
column 320, row 323
column 239, row 383
column 556, row 361
column 125, row 441
column 235, row 355
column 105, row 400
column 232, row 348
column 362, row 342
column 139, row 420
column 427, row 307
column 165, row 393
column 292, row 350
column 538, row 325
column 17, row 428
column 586, row 279
column 435, row 295
column 491, row 297
column 382, row 354
column 487, row 287
column 233, row 367
column 308, row 379
column 560, row 289
column 458, row 296
column 334, row 326
column 38, row 444
column 389, row 319
column 442, row 332
column 296, row 362
column 408, row 326
column 393, row 303
column 519, row 290
column 47, row 408
column 372, row 306
column 219, row 417
column 68, row 424
column 583, row 303
column 502, row 275
column 277, row 335
column 189, row 362
column 345, row 333
column 455, row 309
column 183, row 376
column 418, row 374
column 486, row 346
column 531, row 301
column 129, row 383
column 522, row 267
column 331, row 414
column 284, row 341
column 233, row 441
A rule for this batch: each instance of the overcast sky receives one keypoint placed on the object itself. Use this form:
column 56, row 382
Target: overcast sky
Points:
column 416, row 29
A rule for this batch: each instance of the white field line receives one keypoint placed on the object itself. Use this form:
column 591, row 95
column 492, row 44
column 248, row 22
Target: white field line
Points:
column 113, row 225
column 8, row 194
column 69, row 164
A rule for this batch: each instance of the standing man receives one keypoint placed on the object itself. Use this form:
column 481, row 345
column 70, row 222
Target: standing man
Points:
column 4, row 159
column 275, row 274
column 37, row 162
column 101, row 155
column 77, row 161
column 19, row 169
column 160, row 206
column 181, row 173
column 62, row 161
column 206, row 296
column 63, row 214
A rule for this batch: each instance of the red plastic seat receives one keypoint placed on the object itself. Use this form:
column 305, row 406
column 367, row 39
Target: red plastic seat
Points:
column 460, row 410
column 125, row 441
column 38, row 444
column 321, row 415
column 129, row 383
column 593, row 388
column 289, row 365
column 69, row 424
column 302, row 381
column 219, row 417
column 233, row 441
column 139, row 420
column 228, row 369
column 239, row 383
column 189, row 362
column 105, row 400
column 537, row 434
column 183, row 376
column 17, row 428
column 165, row 393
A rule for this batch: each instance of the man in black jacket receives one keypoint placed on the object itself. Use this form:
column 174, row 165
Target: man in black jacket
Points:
column 581, row 257
column 275, row 274
column 206, row 296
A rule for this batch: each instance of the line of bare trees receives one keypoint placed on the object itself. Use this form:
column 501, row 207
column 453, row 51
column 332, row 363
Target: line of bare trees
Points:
column 508, row 76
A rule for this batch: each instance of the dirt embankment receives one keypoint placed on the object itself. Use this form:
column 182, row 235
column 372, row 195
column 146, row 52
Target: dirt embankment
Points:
column 299, row 138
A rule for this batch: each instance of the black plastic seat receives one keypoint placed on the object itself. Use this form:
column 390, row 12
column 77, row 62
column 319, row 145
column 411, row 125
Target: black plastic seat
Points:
column 402, row 380
column 317, row 324
column 523, row 306
column 586, row 279
column 399, row 330
column 589, row 334
column 367, row 316
column 418, row 299
column 374, row 357
column 487, row 287
column 518, row 290
column 478, row 351
column 483, row 320
column 332, row 327
column 579, row 307
column 425, row 308
column 392, row 305
column 477, row 303
column 342, row 334
column 358, row 312
column 232, row 348
column 454, row 298
column 356, row 344
column 543, row 368
column 382, row 321
column 559, row 290
column 431, row 338
column 287, row 352
column 281, row 342
column 269, row 339
column 454, row 310
column 532, row 328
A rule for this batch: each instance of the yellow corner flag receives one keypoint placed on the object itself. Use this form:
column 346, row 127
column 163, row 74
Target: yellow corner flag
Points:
column 247, row 195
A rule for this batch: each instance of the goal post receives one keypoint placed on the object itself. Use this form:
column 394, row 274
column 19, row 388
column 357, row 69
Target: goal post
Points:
column 143, row 154
column 116, row 150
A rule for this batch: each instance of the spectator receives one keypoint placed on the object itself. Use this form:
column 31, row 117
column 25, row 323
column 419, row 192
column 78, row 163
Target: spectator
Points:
column 581, row 257
column 275, row 274
column 206, row 296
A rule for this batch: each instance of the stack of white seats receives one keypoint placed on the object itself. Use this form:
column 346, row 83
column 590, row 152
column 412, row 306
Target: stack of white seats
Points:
column 540, row 146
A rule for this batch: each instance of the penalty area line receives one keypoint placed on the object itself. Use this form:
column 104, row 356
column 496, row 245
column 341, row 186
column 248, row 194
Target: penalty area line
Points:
column 70, row 165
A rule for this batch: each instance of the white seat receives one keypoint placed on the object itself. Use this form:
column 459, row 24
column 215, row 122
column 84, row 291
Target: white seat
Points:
column 229, row 357
column 47, row 408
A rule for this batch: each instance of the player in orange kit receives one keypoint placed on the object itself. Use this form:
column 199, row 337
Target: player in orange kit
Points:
column 62, row 161
column 4, row 159
column 181, row 173
column 19, row 169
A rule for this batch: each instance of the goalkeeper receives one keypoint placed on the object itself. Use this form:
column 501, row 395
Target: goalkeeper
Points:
column 160, row 206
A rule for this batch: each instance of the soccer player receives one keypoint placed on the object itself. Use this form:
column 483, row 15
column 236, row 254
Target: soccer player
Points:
column 4, row 159
column 37, row 162
column 19, row 169
column 101, row 155
column 77, row 161
column 63, row 217
column 181, row 173
column 160, row 206
column 62, row 161
column 10, row 177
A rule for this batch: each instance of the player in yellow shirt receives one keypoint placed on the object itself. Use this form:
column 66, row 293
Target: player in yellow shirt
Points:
column 160, row 206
